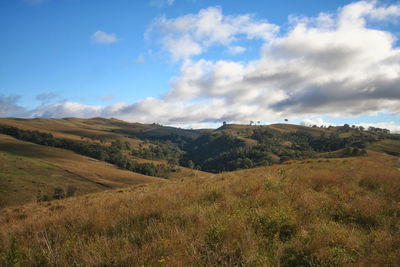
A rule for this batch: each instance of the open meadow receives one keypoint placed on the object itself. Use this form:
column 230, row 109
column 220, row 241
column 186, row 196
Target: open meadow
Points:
column 317, row 212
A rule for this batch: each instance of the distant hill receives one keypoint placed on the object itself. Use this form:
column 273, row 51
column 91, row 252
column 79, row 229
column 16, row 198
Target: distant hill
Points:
column 230, row 147
column 99, row 129
column 97, row 154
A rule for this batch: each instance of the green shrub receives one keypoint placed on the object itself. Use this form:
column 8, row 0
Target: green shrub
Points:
column 280, row 223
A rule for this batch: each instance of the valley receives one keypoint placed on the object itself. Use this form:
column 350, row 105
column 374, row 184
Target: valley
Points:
column 239, row 195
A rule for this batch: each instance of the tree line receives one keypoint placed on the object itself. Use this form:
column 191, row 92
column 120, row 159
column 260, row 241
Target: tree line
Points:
column 113, row 154
column 218, row 151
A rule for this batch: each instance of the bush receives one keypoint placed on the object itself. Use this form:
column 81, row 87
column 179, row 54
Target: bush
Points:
column 58, row 193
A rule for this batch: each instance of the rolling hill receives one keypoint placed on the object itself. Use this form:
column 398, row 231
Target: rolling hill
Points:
column 90, row 155
column 314, row 212
column 29, row 171
column 73, row 194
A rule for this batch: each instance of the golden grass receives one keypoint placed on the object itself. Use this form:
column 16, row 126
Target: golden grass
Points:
column 305, row 213
column 75, row 129
column 26, row 168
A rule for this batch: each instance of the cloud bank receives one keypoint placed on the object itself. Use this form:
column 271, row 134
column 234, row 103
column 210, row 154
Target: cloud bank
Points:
column 335, row 64
column 9, row 107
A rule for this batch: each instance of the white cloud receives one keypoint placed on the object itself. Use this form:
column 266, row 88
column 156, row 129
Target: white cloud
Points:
column 100, row 37
column 234, row 50
column 192, row 34
column 324, row 65
column 66, row 109
column 331, row 65
column 316, row 121
column 183, row 47
column 392, row 126
column 355, row 14
column 9, row 106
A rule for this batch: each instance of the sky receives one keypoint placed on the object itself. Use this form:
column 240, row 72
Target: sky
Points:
column 198, row 63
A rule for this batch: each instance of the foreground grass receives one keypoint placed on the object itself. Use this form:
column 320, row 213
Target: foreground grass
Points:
column 327, row 212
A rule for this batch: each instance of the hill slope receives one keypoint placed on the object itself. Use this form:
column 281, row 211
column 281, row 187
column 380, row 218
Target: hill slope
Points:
column 100, row 129
column 320, row 212
column 160, row 151
column 26, row 168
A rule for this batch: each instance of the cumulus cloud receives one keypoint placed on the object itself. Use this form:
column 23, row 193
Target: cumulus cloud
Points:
column 67, row 109
column 192, row 34
column 100, row 37
column 332, row 64
column 335, row 65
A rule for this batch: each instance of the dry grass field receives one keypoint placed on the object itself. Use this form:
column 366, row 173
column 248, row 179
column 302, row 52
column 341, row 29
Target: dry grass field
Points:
column 319, row 212
column 75, row 128
column 26, row 168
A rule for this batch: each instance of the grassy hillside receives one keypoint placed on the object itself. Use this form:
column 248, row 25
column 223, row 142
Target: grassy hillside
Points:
column 388, row 146
column 156, row 150
column 99, row 129
column 26, row 168
column 71, row 128
column 319, row 212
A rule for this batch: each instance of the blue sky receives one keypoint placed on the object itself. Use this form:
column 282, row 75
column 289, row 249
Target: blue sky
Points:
column 194, row 63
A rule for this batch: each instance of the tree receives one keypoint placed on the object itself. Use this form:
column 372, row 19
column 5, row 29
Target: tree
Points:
column 172, row 162
column 191, row 164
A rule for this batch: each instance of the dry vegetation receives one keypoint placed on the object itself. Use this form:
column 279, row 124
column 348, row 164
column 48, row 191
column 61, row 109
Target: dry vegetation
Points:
column 26, row 168
column 321, row 212
column 76, row 129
